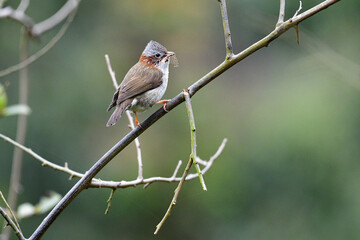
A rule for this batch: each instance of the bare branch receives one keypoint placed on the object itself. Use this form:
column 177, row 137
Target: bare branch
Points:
column 193, row 154
column 44, row 26
column 42, row 51
column 17, row 160
column 41, row 159
column 137, row 145
column 109, row 201
column 297, row 11
column 84, row 182
column 38, row 29
column 112, row 73
column 19, row 16
column 24, row 4
column 227, row 34
column 14, row 225
column 281, row 13
column 176, row 169
column 98, row 183
column 177, row 192
column 10, row 210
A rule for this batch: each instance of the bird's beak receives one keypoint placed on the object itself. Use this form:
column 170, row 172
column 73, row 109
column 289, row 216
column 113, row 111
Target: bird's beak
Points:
column 170, row 54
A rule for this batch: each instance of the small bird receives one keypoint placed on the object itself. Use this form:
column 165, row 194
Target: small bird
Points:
column 144, row 84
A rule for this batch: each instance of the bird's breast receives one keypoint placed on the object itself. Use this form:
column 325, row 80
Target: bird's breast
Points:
column 149, row 98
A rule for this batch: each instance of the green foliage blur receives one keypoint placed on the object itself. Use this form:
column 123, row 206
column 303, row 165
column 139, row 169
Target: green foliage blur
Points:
column 291, row 114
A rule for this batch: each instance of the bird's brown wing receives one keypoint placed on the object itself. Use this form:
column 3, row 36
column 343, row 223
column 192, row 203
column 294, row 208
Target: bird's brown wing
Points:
column 139, row 79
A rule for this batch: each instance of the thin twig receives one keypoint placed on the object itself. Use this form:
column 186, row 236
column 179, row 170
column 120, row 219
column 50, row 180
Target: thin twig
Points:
column 192, row 160
column 176, row 169
column 83, row 183
column 193, row 154
column 66, row 10
column 138, row 147
column 98, row 183
column 19, row 16
column 297, row 11
column 12, row 224
column 40, row 28
column 281, row 13
column 109, row 200
column 10, row 210
column 171, row 179
column 177, row 191
column 227, row 33
column 41, row 159
column 24, row 4
column 15, row 176
column 112, row 73
column 42, row 51
column 297, row 26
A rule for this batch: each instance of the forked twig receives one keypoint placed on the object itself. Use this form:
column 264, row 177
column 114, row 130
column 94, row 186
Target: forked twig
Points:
column 13, row 224
column 99, row 183
column 177, row 191
column 193, row 154
column 42, row 51
column 192, row 160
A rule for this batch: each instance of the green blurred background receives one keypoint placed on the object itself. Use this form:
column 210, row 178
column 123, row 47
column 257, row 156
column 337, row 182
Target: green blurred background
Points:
column 291, row 167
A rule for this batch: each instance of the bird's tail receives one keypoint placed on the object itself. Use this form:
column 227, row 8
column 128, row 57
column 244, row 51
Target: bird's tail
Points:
column 119, row 110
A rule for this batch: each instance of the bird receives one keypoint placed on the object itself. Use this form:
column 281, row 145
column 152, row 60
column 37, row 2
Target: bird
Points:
column 144, row 84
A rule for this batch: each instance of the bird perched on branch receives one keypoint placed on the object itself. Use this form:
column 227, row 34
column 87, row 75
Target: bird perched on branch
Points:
column 144, row 84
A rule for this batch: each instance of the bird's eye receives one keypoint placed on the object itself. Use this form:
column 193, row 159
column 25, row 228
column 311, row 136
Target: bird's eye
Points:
column 157, row 55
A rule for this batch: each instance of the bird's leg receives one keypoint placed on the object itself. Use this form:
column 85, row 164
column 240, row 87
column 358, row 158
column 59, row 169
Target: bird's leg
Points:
column 136, row 121
column 165, row 101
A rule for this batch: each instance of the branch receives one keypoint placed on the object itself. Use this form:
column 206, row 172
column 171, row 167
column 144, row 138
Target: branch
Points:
column 109, row 201
column 297, row 11
column 38, row 29
column 17, row 15
column 46, row 25
column 17, row 160
column 137, row 145
column 111, row 72
column 192, row 160
column 10, row 210
column 227, row 34
column 84, row 182
column 177, row 191
column 281, row 13
column 42, row 51
column 98, row 183
column 41, row 159
column 14, row 225
column 24, row 4
column 193, row 154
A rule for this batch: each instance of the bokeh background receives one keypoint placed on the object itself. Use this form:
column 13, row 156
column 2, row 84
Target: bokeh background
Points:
column 291, row 167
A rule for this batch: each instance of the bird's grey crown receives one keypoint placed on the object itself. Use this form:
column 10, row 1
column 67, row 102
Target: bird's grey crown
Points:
column 152, row 48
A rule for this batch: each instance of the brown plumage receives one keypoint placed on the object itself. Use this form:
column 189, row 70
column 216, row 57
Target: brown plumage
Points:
column 144, row 84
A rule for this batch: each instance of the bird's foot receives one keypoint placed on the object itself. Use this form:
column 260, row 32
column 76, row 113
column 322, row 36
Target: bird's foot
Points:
column 165, row 101
column 136, row 121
